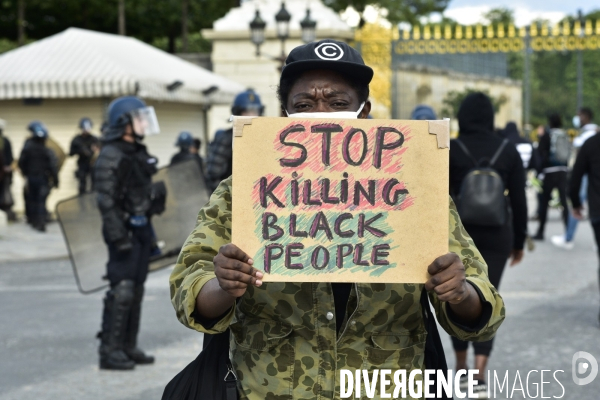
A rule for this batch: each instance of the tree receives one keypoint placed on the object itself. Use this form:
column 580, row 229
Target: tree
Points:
column 454, row 99
column 395, row 10
column 153, row 21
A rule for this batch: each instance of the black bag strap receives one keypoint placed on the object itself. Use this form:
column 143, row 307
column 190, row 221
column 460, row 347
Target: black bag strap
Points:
column 466, row 151
column 498, row 152
column 494, row 158
column 434, row 350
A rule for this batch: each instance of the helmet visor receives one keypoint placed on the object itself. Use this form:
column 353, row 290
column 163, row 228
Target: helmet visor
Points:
column 144, row 121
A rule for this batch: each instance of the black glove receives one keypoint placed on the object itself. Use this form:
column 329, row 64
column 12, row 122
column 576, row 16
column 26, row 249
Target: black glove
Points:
column 123, row 245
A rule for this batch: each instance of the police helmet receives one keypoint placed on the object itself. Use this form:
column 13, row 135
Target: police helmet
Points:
column 184, row 139
column 85, row 124
column 37, row 129
column 423, row 112
column 130, row 110
column 247, row 101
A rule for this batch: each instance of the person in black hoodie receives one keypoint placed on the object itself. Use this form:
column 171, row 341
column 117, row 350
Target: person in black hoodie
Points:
column 554, row 173
column 588, row 163
column 496, row 244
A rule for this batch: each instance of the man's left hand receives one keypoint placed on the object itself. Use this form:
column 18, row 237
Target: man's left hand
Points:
column 448, row 279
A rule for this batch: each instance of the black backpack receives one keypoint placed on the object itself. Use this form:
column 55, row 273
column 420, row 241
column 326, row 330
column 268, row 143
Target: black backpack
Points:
column 481, row 200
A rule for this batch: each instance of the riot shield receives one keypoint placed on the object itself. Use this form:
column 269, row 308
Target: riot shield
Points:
column 81, row 225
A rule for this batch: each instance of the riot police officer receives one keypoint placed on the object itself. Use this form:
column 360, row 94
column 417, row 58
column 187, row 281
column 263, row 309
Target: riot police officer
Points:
column 219, row 162
column 84, row 145
column 39, row 165
column 123, row 181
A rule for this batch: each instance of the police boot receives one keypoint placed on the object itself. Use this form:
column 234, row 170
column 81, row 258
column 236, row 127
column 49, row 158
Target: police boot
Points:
column 117, row 306
column 133, row 327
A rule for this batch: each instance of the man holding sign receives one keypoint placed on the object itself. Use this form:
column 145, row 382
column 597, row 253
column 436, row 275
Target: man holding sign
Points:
column 336, row 213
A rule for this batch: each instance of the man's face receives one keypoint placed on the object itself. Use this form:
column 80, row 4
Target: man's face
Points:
column 324, row 91
column 583, row 118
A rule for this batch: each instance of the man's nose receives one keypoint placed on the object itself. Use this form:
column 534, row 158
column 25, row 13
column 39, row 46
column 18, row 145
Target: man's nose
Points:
column 322, row 106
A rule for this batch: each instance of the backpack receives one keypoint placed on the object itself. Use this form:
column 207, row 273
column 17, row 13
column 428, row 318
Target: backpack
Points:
column 481, row 200
column 560, row 148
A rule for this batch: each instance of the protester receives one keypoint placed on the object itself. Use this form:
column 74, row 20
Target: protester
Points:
column 584, row 120
column 554, row 151
column 423, row 112
column 84, row 145
column 476, row 144
column 219, row 161
column 528, row 153
column 588, row 164
column 123, row 178
column 40, row 168
column 309, row 331
column 6, row 161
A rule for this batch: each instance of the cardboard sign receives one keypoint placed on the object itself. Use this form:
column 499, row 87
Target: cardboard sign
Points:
column 324, row 200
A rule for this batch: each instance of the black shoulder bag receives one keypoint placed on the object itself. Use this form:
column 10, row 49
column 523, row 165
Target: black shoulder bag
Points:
column 209, row 377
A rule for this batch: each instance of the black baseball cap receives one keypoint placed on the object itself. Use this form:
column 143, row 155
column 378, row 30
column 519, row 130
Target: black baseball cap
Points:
column 327, row 54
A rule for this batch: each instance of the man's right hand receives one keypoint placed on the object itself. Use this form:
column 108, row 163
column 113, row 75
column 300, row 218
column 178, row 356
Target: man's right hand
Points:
column 234, row 270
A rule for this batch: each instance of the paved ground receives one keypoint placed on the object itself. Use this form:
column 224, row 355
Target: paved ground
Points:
column 48, row 350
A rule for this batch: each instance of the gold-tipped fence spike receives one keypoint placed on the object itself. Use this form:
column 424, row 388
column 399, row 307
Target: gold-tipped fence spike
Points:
column 566, row 28
column 533, row 30
column 588, row 28
column 448, row 32
column 469, row 32
column 490, row 32
column 426, row 32
column 437, row 32
column 577, row 28
column 459, row 32
column 522, row 31
column 511, row 31
column 478, row 31
column 416, row 32
column 501, row 30
column 556, row 30
column 545, row 29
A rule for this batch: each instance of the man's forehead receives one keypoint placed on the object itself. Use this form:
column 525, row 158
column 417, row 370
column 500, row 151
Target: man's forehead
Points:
column 322, row 76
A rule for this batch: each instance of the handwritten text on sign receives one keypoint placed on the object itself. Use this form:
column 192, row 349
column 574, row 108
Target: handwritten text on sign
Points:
column 331, row 199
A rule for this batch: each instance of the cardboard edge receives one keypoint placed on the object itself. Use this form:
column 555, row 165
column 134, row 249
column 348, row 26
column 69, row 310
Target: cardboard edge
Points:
column 238, row 125
column 442, row 130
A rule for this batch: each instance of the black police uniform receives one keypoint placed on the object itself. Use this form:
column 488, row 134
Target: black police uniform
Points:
column 40, row 166
column 219, row 164
column 82, row 146
column 123, row 181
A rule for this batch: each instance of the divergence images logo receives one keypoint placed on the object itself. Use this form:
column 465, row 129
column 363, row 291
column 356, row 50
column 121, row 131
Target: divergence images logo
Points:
column 584, row 363
column 329, row 51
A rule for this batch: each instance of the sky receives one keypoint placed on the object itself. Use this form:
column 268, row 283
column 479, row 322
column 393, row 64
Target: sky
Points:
column 470, row 12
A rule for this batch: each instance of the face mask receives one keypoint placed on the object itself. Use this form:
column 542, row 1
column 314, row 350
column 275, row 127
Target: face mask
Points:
column 335, row 114
column 576, row 122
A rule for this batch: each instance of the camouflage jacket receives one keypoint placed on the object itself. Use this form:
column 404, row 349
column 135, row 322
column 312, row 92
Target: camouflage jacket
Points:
column 284, row 346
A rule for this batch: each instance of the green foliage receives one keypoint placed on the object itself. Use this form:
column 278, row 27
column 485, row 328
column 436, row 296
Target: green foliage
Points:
column 396, row 10
column 6, row 45
column 147, row 20
column 454, row 99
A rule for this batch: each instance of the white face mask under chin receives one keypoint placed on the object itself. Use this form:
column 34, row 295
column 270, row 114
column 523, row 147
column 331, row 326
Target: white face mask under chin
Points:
column 335, row 114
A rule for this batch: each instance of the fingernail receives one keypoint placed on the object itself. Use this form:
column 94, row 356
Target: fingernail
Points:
column 250, row 261
column 258, row 283
column 259, row 274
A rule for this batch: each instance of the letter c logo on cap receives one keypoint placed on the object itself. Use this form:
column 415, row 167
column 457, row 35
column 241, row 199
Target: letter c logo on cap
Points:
column 329, row 51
